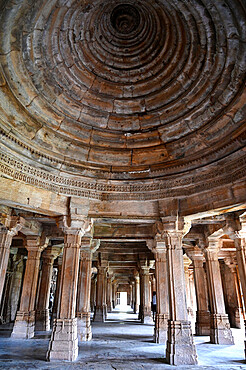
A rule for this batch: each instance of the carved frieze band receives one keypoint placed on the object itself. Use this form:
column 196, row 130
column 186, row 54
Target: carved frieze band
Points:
column 182, row 186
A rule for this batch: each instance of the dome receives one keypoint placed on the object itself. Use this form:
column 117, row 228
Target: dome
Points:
column 123, row 99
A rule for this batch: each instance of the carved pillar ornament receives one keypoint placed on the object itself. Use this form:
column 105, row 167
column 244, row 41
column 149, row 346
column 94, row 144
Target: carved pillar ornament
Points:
column 88, row 246
column 202, row 313
column 180, row 347
column 220, row 332
column 64, row 339
column 146, row 314
column 42, row 311
column 25, row 319
column 161, row 320
column 9, row 227
column 100, row 313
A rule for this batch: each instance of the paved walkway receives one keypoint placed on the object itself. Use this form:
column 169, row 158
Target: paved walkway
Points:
column 120, row 343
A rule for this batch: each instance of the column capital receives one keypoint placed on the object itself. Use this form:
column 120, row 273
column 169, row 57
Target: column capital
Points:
column 170, row 230
column 75, row 224
column 195, row 253
column 33, row 244
column 52, row 252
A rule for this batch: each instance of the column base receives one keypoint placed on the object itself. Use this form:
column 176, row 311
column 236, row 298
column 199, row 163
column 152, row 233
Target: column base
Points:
column 24, row 325
column 64, row 340
column 235, row 318
column 202, row 323
column 84, row 326
column 136, row 308
column 100, row 314
column 42, row 320
column 109, row 307
column 146, row 317
column 161, row 326
column 220, row 332
column 180, row 347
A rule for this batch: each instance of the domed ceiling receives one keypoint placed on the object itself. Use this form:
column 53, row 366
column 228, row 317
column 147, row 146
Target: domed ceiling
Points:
column 123, row 99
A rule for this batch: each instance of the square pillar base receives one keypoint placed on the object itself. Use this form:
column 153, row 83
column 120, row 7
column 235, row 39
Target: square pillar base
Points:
column 202, row 323
column 24, row 325
column 64, row 340
column 84, row 326
column 100, row 314
column 42, row 320
column 180, row 347
column 220, row 332
column 161, row 326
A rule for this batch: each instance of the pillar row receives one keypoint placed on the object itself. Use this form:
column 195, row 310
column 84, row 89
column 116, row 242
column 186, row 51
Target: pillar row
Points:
column 202, row 313
column 162, row 314
column 24, row 325
column 220, row 332
column 42, row 311
column 84, row 290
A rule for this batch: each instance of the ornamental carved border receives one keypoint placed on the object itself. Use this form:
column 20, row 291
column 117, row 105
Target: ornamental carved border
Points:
column 70, row 185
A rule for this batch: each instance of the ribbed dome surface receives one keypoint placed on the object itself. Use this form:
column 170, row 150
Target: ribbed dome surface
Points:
column 125, row 87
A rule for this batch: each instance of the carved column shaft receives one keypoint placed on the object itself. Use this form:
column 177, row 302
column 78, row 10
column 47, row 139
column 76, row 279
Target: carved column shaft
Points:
column 100, row 310
column 83, row 298
column 64, row 340
column 161, row 321
column 180, row 346
column 25, row 319
column 220, row 332
column 42, row 312
column 202, row 313
column 137, row 294
column 146, row 315
column 5, row 243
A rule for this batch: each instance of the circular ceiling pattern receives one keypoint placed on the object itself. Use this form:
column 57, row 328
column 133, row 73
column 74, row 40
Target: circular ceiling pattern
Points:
column 124, row 89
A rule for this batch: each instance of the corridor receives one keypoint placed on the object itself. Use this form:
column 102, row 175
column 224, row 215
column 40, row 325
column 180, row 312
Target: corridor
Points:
column 121, row 343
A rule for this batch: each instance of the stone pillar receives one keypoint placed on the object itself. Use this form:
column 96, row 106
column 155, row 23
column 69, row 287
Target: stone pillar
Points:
column 131, row 294
column 93, row 293
column 180, row 347
column 16, row 286
column 231, row 292
column 220, row 332
column 109, row 292
column 84, row 290
column 146, row 314
column 202, row 313
column 101, row 307
column 42, row 311
column 187, row 263
column 64, row 340
column 24, row 325
column 58, row 285
column 241, row 260
column 137, row 294
column 114, row 294
column 161, row 320
column 13, row 226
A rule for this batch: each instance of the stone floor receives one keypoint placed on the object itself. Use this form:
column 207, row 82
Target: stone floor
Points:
column 120, row 343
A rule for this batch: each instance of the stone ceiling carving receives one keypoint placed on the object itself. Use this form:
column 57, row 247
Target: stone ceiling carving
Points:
column 94, row 94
